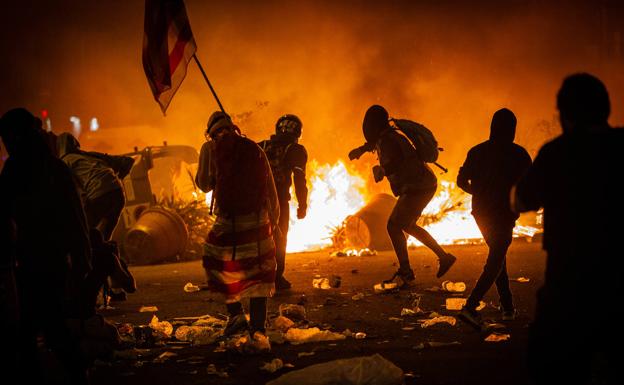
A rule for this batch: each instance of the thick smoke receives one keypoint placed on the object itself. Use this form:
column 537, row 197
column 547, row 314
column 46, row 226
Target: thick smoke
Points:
column 448, row 65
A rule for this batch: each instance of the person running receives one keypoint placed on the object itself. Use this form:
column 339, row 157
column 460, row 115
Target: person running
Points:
column 488, row 173
column 239, row 252
column 411, row 180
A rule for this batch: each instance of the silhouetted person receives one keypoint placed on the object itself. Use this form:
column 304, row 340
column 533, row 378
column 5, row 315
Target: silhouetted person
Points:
column 51, row 246
column 490, row 170
column 576, row 333
column 288, row 161
column 98, row 177
column 411, row 180
column 239, row 254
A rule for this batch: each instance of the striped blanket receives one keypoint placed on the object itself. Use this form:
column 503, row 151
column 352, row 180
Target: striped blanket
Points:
column 239, row 257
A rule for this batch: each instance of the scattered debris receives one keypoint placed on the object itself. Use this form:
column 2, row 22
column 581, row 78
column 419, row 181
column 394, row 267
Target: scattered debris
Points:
column 335, row 281
column 273, row 366
column 321, row 283
column 298, row 336
column 358, row 296
column 352, row 371
column 458, row 303
column 282, row 323
column 292, row 311
column 395, row 319
column 386, row 287
column 520, row 279
column 441, row 319
column 359, row 335
column 497, row 337
column 164, row 357
column 305, row 354
column 212, row 370
column 408, row 328
column 198, row 335
column 148, row 309
column 190, row 288
column 453, row 287
column 164, row 328
column 434, row 344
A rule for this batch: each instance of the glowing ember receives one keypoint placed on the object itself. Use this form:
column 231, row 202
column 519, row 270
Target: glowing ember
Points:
column 334, row 193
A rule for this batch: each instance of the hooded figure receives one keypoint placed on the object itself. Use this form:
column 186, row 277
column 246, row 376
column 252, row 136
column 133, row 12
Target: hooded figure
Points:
column 489, row 171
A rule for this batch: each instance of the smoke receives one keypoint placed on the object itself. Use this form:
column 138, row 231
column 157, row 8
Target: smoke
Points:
column 449, row 65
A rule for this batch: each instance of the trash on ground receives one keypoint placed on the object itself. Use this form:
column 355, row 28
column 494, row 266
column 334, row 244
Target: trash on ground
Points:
column 441, row 319
column 395, row 319
column 147, row 309
column 386, row 287
column 358, row 296
column 321, row 283
column 373, row 369
column 497, row 337
column 491, row 326
column 305, row 354
column 454, row 287
column 198, row 335
column 292, row 311
column 282, row 323
column 300, row 336
column 164, row 356
column 190, row 288
column 164, row 328
column 458, row 303
column 520, row 279
column 359, row 335
column 212, row 370
column 273, row 366
column 408, row 328
column 434, row 344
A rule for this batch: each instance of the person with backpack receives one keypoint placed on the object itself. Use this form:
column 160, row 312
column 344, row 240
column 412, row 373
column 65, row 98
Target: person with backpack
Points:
column 98, row 177
column 404, row 165
column 288, row 161
column 239, row 252
column 488, row 173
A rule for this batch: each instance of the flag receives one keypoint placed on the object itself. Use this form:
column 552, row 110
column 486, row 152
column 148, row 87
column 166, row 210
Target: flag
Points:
column 168, row 46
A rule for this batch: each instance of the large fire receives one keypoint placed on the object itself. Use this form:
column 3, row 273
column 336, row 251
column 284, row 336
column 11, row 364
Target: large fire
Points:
column 337, row 192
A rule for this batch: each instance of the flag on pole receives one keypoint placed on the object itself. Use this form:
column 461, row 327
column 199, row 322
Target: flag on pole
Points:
column 168, row 46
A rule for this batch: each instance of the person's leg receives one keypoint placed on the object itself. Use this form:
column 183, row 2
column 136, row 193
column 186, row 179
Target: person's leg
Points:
column 504, row 291
column 258, row 314
column 418, row 202
column 237, row 321
column 115, row 202
column 280, row 245
column 402, row 215
column 498, row 237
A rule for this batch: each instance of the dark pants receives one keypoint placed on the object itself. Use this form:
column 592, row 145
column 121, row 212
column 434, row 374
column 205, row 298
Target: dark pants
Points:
column 103, row 212
column 257, row 312
column 282, row 239
column 403, row 219
column 497, row 235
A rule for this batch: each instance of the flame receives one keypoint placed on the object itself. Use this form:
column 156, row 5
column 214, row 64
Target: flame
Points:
column 334, row 193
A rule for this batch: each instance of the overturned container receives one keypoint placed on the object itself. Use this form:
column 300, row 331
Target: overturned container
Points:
column 158, row 235
column 367, row 227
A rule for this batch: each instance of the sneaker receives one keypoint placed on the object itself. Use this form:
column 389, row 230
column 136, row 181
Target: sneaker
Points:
column 509, row 315
column 445, row 264
column 471, row 317
column 282, row 284
column 403, row 280
column 236, row 324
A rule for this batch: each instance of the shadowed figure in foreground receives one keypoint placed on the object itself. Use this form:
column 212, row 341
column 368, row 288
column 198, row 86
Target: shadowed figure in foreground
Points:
column 239, row 253
column 490, row 170
column 51, row 246
column 411, row 180
column 575, row 330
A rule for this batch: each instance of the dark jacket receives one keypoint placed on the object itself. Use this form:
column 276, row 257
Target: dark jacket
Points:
column 288, row 163
column 490, row 170
column 402, row 166
column 95, row 173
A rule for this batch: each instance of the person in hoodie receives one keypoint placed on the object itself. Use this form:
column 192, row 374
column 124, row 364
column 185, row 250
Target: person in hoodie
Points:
column 51, row 246
column 98, row 177
column 412, row 181
column 574, row 179
column 288, row 161
column 490, row 170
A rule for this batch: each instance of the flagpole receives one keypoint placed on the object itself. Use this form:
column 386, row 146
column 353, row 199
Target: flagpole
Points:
column 208, row 82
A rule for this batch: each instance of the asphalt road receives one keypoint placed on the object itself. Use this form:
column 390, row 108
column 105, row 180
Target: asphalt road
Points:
column 472, row 361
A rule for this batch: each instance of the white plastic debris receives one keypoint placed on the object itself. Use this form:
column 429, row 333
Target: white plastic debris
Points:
column 386, row 287
column 148, row 309
column 359, row 335
column 298, row 336
column 321, row 283
column 163, row 327
column 436, row 320
column 273, row 366
column 282, row 323
column 190, row 288
column 454, row 287
column 198, row 335
column 352, row 371
column 458, row 303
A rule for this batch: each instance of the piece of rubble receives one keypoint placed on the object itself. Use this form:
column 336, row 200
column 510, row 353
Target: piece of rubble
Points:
column 190, row 288
column 164, row 328
column 458, row 303
column 436, row 320
column 282, row 323
column 321, row 283
column 386, row 287
column 148, row 309
column 359, row 335
column 273, row 366
column 454, row 287
column 497, row 337
column 358, row 370
column 298, row 336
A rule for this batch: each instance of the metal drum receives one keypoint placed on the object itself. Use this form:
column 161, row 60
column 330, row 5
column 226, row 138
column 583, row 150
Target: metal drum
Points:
column 367, row 227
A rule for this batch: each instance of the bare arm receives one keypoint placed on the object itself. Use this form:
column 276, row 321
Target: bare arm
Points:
column 206, row 177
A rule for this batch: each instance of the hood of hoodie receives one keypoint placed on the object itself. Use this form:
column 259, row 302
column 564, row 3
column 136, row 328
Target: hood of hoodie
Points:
column 67, row 144
column 503, row 127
